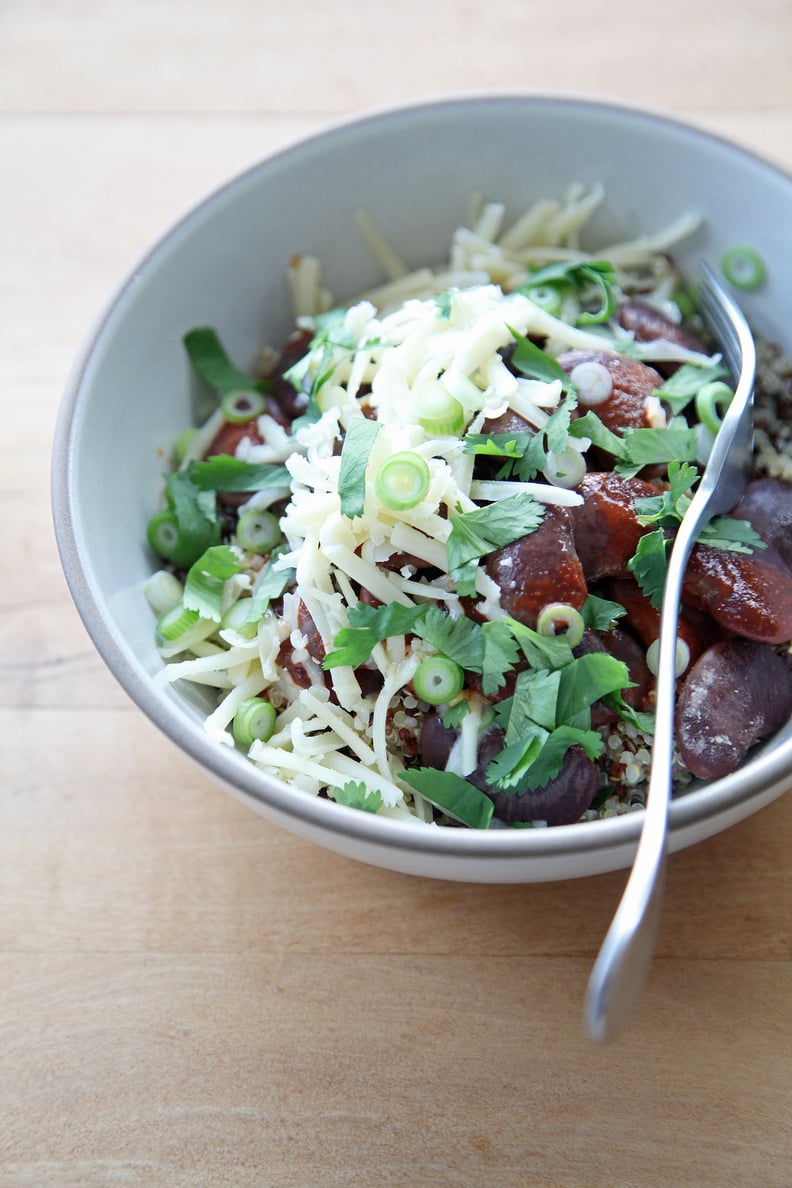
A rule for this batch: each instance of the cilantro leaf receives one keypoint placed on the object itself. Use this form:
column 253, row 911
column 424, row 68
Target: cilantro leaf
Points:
column 455, row 797
column 511, row 766
column 455, row 713
column 550, row 760
column 541, row 651
column 649, row 564
column 206, row 579
column 209, row 358
column 474, row 534
column 587, row 679
column 523, row 452
column 556, row 430
column 533, row 702
column 591, row 426
column 367, row 626
column 355, row 794
column 736, row 536
column 599, row 614
column 500, row 653
column 270, row 583
column 645, row 722
column 224, row 472
column 459, row 639
column 680, row 388
column 196, row 515
column 644, row 447
column 636, row 448
column 531, row 361
column 358, row 440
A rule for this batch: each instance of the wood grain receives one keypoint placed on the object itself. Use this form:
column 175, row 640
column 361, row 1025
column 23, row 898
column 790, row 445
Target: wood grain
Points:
column 190, row 995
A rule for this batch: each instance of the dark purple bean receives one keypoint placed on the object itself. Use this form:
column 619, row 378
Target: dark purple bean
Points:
column 648, row 324
column 606, row 527
column 633, row 382
column 562, row 801
column 767, row 504
column 749, row 594
column 737, row 693
column 539, row 568
column 436, row 741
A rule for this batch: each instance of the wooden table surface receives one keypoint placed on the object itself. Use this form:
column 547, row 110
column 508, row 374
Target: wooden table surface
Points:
column 188, row 994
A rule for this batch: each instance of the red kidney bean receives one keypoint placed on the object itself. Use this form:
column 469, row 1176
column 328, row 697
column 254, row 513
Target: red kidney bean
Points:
column 747, row 593
column 284, row 402
column 624, row 647
column 539, row 568
column 737, row 693
column 314, row 645
column 696, row 628
column 436, row 741
column 633, row 382
column 649, row 324
column 767, row 505
column 606, row 528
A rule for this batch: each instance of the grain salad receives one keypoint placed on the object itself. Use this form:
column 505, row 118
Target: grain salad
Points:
column 418, row 552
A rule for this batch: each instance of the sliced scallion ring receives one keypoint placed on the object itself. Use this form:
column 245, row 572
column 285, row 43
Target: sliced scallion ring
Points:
column 681, row 656
column 182, row 444
column 561, row 614
column 255, row 719
column 258, row 531
column 241, row 405
column 547, row 297
column 163, row 591
column 438, row 680
column 743, row 267
column 712, row 400
column 402, row 481
column 164, row 534
column 177, row 622
column 236, row 618
column 440, row 413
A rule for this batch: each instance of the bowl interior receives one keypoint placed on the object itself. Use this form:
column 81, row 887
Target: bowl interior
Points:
column 223, row 265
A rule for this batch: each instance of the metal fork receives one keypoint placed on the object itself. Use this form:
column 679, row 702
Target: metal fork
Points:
column 621, row 968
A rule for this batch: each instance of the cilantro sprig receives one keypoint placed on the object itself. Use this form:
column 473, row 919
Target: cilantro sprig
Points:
column 534, row 363
column 358, row 441
column 664, row 513
column 637, row 448
column 476, row 533
column 355, row 794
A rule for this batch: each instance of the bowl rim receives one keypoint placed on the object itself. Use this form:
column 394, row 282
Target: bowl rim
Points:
column 251, row 784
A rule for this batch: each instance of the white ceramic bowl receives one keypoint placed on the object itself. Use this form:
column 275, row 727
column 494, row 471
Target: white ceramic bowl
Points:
column 223, row 265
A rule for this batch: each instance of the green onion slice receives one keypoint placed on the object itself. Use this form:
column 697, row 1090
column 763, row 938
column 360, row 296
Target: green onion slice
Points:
column 743, row 267
column 177, row 622
column 258, row 531
column 547, row 297
column 438, row 680
column 402, row 481
column 561, row 614
column 163, row 534
column 711, row 400
column 255, row 719
column 163, row 591
column 441, row 413
column 182, row 444
column 237, row 618
column 242, row 405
